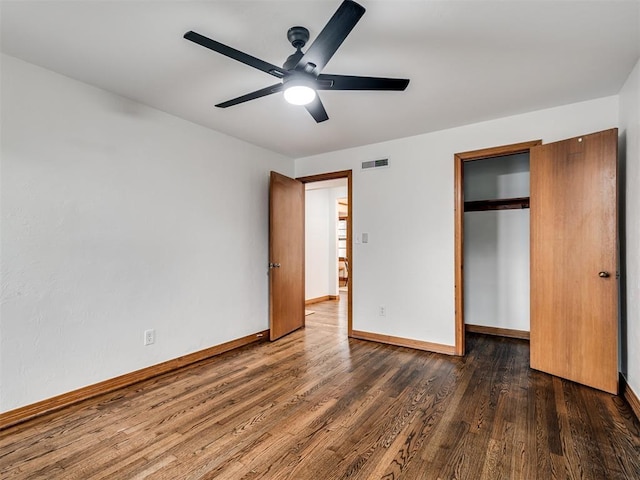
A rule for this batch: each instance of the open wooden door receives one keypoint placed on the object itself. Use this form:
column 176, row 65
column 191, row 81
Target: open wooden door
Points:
column 286, row 255
column 574, row 286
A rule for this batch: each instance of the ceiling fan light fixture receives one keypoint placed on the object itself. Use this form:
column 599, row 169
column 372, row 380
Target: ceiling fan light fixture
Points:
column 301, row 75
column 299, row 94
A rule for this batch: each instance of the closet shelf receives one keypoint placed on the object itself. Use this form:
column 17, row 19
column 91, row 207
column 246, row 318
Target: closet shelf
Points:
column 498, row 204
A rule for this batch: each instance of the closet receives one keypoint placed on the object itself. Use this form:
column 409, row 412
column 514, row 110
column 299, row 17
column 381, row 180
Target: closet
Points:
column 496, row 245
column 557, row 285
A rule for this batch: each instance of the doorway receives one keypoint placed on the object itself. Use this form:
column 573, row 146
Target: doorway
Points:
column 496, row 246
column 461, row 159
column 331, row 193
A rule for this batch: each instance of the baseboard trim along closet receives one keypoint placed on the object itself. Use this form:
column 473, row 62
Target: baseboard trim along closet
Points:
column 499, row 332
column 27, row 412
column 630, row 396
column 324, row 298
column 404, row 342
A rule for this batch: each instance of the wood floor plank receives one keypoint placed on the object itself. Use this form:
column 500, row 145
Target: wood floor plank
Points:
column 316, row 405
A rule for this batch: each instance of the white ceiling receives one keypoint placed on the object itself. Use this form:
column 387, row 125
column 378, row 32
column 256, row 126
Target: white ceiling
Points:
column 468, row 61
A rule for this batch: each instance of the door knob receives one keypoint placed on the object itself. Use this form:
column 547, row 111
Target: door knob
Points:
column 274, row 265
column 603, row 274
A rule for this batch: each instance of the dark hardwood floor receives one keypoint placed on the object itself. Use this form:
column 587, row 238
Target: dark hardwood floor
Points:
column 315, row 405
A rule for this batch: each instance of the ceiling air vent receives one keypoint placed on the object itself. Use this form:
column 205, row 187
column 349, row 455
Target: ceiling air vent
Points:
column 382, row 163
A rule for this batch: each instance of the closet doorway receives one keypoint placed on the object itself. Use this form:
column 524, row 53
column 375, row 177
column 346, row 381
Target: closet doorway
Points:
column 488, row 205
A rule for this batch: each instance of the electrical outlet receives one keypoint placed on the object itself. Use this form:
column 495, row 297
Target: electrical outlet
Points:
column 149, row 336
column 382, row 311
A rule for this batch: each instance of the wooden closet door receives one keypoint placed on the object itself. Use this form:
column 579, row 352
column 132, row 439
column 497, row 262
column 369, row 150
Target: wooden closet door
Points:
column 574, row 286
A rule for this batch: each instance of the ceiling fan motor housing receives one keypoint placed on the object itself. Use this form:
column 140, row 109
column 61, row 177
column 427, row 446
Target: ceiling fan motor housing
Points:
column 298, row 36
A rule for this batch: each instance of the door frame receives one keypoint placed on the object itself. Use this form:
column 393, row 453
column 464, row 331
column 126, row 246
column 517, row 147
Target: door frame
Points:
column 348, row 174
column 458, row 189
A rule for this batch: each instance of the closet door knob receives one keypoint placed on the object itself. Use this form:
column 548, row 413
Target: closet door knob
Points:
column 603, row 274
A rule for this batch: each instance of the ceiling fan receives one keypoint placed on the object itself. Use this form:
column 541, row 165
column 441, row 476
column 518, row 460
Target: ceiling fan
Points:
column 300, row 76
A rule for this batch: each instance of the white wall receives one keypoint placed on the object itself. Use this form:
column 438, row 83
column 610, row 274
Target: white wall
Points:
column 496, row 269
column 118, row 218
column 630, row 133
column 317, row 243
column 498, row 177
column 496, row 245
column 321, row 253
column 407, row 210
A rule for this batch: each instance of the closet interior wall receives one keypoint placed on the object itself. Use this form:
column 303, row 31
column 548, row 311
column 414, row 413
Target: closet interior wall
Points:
column 496, row 243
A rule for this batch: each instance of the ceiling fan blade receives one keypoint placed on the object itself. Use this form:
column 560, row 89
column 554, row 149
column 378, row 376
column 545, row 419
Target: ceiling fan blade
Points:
column 236, row 54
column 348, row 82
column 331, row 37
column 252, row 96
column 317, row 111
